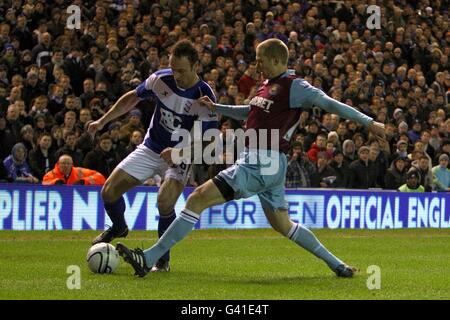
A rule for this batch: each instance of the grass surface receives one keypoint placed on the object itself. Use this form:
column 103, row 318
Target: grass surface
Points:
column 242, row 264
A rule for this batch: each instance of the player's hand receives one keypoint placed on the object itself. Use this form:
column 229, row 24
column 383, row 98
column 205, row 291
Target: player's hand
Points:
column 94, row 126
column 377, row 128
column 206, row 101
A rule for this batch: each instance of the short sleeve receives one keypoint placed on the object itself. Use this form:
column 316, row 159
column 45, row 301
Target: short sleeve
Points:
column 145, row 89
column 301, row 94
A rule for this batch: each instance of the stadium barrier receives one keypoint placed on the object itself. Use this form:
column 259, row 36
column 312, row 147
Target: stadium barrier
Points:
column 37, row 207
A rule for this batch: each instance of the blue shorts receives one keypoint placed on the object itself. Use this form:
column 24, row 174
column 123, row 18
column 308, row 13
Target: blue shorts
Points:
column 260, row 172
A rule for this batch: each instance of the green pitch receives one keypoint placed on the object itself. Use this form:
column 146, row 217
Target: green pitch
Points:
column 242, row 264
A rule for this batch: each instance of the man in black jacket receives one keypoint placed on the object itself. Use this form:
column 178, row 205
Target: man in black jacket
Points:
column 40, row 159
column 102, row 158
column 325, row 176
column 362, row 174
column 342, row 170
column 70, row 148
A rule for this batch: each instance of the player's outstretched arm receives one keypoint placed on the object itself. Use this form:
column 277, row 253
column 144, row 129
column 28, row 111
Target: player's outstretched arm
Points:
column 125, row 103
column 235, row 112
column 304, row 94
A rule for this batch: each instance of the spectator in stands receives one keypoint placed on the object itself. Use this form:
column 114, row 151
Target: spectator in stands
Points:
column 341, row 167
column 16, row 166
column 311, row 134
column 39, row 108
column 64, row 172
column 70, row 104
column 445, row 149
column 396, row 174
column 42, row 52
column 248, row 79
column 441, row 174
column 102, row 158
column 401, row 151
column 362, row 175
column 426, row 176
column 13, row 123
column 27, row 137
column 377, row 163
column 136, row 139
column 70, row 148
column 425, row 137
column 412, row 182
column 299, row 170
column 134, row 123
column 40, row 158
column 415, row 132
column 88, row 92
column 324, row 176
column 349, row 151
column 319, row 145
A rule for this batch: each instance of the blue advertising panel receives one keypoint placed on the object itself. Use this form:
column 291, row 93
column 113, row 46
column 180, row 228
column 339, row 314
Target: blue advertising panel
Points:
column 36, row 207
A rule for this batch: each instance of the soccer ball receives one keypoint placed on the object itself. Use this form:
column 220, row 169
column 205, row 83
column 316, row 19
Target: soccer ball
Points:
column 102, row 258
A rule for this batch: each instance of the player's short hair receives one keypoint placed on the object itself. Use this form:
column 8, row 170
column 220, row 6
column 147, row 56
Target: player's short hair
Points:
column 186, row 49
column 274, row 49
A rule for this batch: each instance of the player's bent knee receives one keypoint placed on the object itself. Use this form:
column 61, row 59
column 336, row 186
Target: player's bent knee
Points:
column 196, row 200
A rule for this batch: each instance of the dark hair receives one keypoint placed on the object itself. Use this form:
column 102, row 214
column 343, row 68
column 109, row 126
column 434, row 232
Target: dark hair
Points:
column 185, row 48
column 104, row 136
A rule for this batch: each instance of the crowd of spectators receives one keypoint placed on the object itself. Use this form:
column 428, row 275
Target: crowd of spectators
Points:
column 54, row 80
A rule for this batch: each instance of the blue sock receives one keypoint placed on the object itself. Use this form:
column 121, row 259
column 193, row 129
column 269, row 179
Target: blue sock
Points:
column 163, row 223
column 307, row 240
column 116, row 212
column 177, row 231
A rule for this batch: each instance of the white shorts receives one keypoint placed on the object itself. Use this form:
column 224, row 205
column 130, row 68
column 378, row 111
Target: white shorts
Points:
column 143, row 163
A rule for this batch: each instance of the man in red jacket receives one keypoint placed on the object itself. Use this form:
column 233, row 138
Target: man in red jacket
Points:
column 65, row 173
column 318, row 146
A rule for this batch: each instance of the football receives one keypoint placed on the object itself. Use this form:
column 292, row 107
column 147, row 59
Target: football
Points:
column 102, row 258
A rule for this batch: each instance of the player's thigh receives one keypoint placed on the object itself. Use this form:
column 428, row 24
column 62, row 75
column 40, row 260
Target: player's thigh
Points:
column 117, row 184
column 204, row 196
column 168, row 195
column 279, row 219
column 143, row 164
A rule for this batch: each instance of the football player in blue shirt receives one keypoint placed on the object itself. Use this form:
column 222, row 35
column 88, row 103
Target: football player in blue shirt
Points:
column 176, row 92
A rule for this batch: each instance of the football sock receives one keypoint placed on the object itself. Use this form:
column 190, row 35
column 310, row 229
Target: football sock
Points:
column 116, row 212
column 307, row 240
column 163, row 223
column 178, row 230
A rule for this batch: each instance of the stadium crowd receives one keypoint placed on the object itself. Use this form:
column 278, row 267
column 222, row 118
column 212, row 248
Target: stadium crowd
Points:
column 54, row 80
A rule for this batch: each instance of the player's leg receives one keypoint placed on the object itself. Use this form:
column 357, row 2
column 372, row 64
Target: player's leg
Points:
column 168, row 195
column 115, row 186
column 201, row 198
column 136, row 168
column 229, row 184
column 275, row 210
column 206, row 195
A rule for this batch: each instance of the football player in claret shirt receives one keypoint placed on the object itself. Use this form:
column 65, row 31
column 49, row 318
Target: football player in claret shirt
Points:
column 176, row 92
column 277, row 105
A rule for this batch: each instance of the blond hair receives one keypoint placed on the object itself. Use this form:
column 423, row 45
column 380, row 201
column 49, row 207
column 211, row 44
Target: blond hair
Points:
column 274, row 49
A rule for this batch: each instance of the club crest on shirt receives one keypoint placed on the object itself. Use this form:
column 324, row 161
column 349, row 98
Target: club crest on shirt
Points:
column 274, row 90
